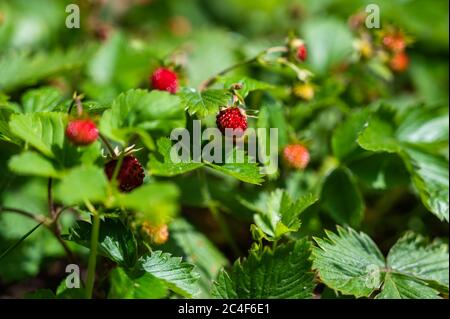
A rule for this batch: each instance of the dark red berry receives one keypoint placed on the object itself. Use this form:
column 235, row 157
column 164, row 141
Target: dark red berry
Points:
column 82, row 132
column 302, row 53
column 233, row 118
column 296, row 156
column 399, row 62
column 130, row 175
column 164, row 80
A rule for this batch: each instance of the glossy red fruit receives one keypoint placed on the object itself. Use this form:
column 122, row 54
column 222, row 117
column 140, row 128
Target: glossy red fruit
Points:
column 82, row 132
column 233, row 118
column 302, row 53
column 394, row 42
column 130, row 175
column 296, row 156
column 399, row 62
column 164, row 79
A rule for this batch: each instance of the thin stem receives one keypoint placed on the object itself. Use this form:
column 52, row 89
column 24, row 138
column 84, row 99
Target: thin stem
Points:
column 217, row 215
column 93, row 251
column 210, row 81
column 51, row 211
column 108, row 145
column 17, row 243
column 38, row 218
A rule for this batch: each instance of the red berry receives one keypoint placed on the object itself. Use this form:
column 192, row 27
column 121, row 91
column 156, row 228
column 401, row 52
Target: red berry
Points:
column 399, row 62
column 130, row 175
column 233, row 118
column 164, row 80
column 82, row 132
column 394, row 42
column 302, row 53
column 296, row 156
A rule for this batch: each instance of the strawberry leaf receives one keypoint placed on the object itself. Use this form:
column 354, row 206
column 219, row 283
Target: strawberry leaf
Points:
column 204, row 103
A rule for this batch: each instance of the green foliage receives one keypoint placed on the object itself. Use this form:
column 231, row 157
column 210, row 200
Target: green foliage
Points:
column 279, row 273
column 377, row 138
column 351, row 263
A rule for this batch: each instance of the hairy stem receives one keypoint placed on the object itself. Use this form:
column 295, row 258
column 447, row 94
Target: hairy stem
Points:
column 108, row 145
column 93, row 251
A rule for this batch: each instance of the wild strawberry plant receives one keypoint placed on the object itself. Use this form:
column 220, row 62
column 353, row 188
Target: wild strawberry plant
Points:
column 341, row 203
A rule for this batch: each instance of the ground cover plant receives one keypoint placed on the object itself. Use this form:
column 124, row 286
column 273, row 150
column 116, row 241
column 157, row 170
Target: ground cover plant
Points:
column 224, row 149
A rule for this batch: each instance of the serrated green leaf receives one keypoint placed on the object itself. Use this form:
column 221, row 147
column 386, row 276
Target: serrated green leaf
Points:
column 400, row 286
column 177, row 275
column 282, row 273
column 247, row 172
column 139, row 109
column 277, row 214
column 44, row 99
column 349, row 262
column 23, row 68
column 31, row 163
column 43, row 131
column 204, row 103
column 167, row 167
column 341, row 199
column 429, row 170
column 115, row 242
column 413, row 255
column 124, row 286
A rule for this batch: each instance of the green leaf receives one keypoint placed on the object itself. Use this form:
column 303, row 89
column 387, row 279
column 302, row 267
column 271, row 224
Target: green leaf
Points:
column 167, row 167
column 413, row 255
column 124, row 286
column 277, row 214
column 44, row 131
column 248, row 84
column 155, row 202
column 115, row 242
column 247, row 172
column 188, row 242
column 44, row 99
column 177, row 275
column 280, row 273
column 82, row 183
column 31, row 163
column 23, row 68
column 143, row 111
column 349, row 262
column 344, row 138
column 400, row 286
column 204, row 103
column 429, row 170
column 341, row 199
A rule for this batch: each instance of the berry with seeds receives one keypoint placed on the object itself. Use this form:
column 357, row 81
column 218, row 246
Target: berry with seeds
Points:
column 82, row 132
column 296, row 156
column 232, row 118
column 130, row 175
column 164, row 79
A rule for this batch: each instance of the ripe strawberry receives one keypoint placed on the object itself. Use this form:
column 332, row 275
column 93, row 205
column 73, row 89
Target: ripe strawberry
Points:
column 164, row 79
column 399, row 62
column 157, row 234
column 296, row 156
column 130, row 175
column 394, row 42
column 233, row 118
column 302, row 53
column 82, row 131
